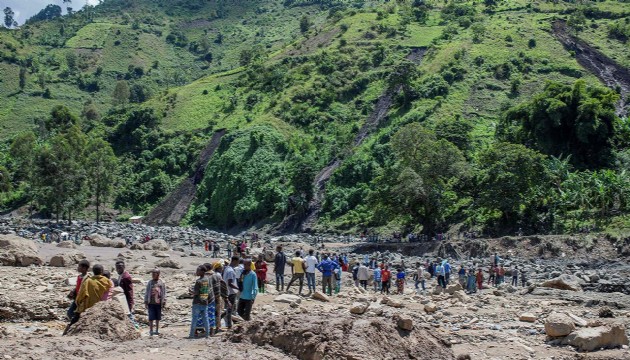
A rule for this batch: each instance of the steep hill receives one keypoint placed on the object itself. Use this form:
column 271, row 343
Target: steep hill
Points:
column 502, row 125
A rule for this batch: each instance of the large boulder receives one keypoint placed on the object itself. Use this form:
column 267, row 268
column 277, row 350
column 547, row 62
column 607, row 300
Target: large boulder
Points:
column 359, row 308
column 66, row 259
column 564, row 282
column 16, row 251
column 452, row 288
column 67, row 245
column 589, row 339
column 103, row 241
column 404, row 322
column 168, row 263
column 317, row 295
column 558, row 325
column 156, row 244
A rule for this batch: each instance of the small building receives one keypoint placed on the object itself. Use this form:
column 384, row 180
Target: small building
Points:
column 136, row 219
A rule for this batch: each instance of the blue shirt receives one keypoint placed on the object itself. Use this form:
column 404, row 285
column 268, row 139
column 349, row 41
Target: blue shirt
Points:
column 400, row 275
column 327, row 266
column 447, row 268
column 377, row 274
column 250, row 286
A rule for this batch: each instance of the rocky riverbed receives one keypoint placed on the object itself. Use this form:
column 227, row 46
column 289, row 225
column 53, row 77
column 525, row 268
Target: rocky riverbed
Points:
column 573, row 306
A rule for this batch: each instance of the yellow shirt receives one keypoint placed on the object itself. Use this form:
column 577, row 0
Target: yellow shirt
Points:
column 91, row 292
column 298, row 268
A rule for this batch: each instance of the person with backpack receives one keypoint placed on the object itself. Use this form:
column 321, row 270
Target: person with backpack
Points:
column 201, row 293
column 355, row 274
column 278, row 268
column 297, row 271
column 440, row 272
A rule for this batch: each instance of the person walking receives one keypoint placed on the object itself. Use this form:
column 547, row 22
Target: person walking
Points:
column 480, row 279
column 400, row 281
column 492, row 276
column 377, row 279
column 355, row 274
column 311, row 263
column 363, row 274
column 419, row 277
column 155, row 301
column 515, row 276
column 462, row 276
column 250, row 290
column 279, row 263
column 441, row 275
column 261, row 273
column 201, row 292
column 297, row 271
column 385, row 278
column 471, row 281
column 447, row 271
column 326, row 267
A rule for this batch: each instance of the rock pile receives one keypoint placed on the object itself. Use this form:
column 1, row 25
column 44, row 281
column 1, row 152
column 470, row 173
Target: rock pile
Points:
column 562, row 327
column 106, row 321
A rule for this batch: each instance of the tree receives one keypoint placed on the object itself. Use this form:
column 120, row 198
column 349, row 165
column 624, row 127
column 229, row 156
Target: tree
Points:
column 5, row 180
column 60, row 176
column 426, row 171
column 491, row 5
column 567, row 120
column 121, row 94
column 305, row 24
column 22, row 77
column 9, row 20
column 402, row 77
column 61, row 119
column 101, row 166
column 510, row 176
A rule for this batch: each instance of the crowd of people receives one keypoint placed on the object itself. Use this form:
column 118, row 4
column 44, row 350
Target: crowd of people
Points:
column 227, row 286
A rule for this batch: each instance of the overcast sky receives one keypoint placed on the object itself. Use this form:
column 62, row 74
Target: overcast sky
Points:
column 24, row 9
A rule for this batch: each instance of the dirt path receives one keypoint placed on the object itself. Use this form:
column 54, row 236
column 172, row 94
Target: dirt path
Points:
column 605, row 68
column 381, row 109
column 174, row 207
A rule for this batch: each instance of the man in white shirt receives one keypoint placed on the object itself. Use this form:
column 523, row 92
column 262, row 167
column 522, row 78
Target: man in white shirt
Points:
column 311, row 263
column 229, row 276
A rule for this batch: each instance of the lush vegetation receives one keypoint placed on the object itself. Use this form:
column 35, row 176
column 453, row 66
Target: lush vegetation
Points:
column 496, row 128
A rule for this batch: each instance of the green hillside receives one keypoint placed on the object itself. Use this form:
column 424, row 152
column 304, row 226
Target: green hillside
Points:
column 431, row 115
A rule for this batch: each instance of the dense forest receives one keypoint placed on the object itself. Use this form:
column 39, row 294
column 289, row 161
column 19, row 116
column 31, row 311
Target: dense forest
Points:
column 414, row 115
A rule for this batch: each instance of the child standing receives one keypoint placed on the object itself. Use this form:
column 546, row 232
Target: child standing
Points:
column 155, row 300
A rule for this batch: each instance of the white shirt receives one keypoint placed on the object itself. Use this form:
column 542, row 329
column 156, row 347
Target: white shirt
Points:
column 311, row 262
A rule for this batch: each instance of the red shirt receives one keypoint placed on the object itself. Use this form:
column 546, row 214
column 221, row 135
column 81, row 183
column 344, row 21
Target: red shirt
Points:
column 385, row 275
column 78, row 287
